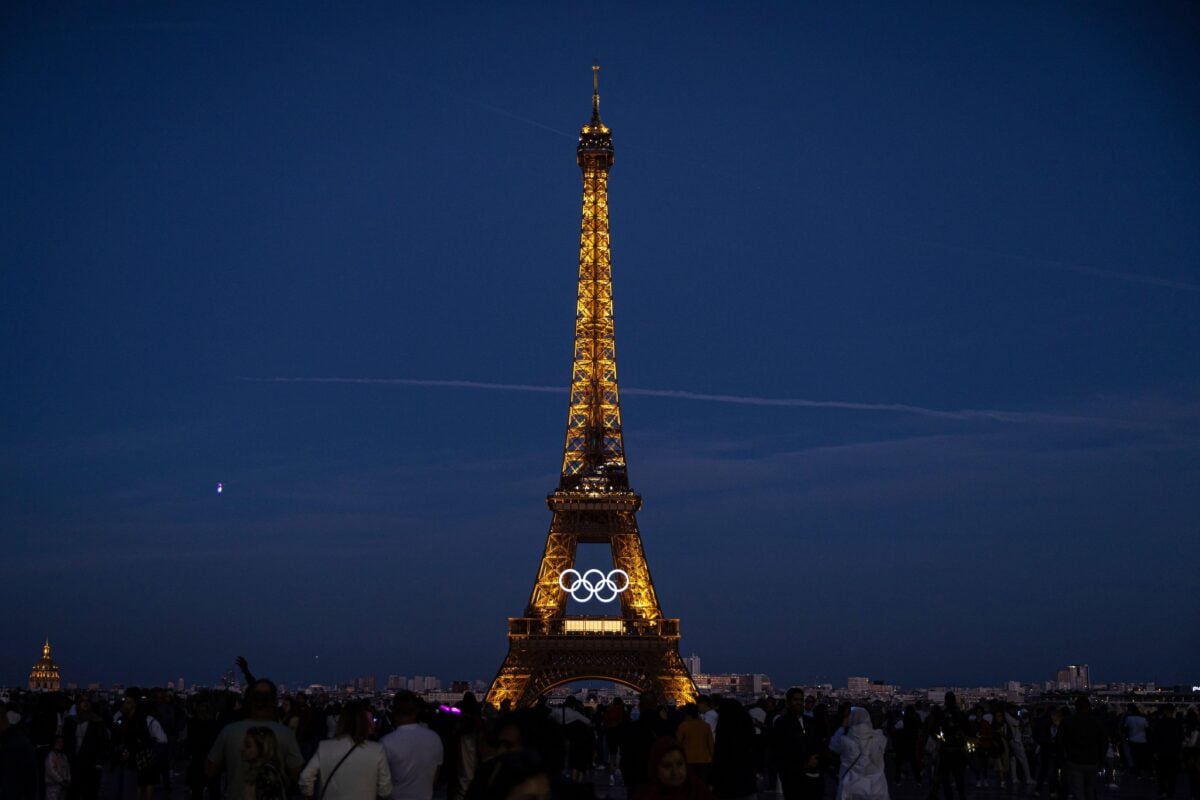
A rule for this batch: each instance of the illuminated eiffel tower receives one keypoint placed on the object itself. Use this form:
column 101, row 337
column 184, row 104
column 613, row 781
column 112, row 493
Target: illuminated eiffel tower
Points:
column 593, row 504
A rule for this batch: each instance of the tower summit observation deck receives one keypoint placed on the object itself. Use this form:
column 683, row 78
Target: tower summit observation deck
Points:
column 638, row 646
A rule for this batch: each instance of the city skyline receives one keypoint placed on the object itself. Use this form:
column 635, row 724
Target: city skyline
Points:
column 907, row 305
column 1074, row 677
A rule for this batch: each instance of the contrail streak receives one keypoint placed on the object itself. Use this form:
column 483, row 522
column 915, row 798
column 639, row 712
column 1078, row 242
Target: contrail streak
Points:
column 901, row 408
column 1132, row 277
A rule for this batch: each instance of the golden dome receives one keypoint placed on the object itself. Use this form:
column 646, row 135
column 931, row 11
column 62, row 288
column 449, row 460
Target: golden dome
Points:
column 44, row 674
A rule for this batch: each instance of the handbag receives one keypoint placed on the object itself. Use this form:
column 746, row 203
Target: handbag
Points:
column 145, row 757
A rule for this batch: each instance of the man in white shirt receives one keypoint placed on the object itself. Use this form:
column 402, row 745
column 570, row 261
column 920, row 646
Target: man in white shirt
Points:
column 414, row 753
column 226, row 752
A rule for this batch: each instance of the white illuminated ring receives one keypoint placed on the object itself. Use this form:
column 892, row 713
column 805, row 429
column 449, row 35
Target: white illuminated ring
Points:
column 594, row 584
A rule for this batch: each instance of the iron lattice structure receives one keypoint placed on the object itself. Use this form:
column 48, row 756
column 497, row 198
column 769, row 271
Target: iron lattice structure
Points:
column 593, row 503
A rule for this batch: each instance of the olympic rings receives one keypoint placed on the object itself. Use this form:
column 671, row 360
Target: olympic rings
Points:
column 594, row 583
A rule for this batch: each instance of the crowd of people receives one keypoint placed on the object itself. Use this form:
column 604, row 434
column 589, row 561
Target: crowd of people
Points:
column 256, row 745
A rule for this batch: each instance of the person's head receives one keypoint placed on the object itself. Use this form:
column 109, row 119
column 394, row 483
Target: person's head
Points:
column 259, row 746
column 355, row 721
column 703, row 702
column 469, row 705
column 857, row 716
column 518, row 776
column 668, row 764
column 129, row 702
column 503, row 736
column 951, row 701
column 1168, row 710
column 691, row 712
column 794, row 699
column 406, row 707
column 262, row 699
column 1082, row 705
column 60, row 743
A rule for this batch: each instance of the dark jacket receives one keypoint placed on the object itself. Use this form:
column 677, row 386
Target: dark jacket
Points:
column 18, row 765
column 791, row 743
column 1082, row 739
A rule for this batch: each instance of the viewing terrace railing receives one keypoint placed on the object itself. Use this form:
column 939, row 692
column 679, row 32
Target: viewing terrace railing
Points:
column 592, row 626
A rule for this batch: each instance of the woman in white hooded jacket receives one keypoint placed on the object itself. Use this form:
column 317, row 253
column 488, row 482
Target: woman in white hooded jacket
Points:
column 860, row 747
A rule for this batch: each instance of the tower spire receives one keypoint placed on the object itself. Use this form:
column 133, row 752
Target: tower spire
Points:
column 594, row 454
column 596, row 92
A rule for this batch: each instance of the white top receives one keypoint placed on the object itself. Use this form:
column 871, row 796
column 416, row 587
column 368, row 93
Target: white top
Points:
column 862, row 762
column 363, row 776
column 156, row 730
column 414, row 754
column 710, row 717
column 1014, row 728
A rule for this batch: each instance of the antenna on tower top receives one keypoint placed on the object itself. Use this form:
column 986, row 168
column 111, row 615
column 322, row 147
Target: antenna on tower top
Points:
column 595, row 88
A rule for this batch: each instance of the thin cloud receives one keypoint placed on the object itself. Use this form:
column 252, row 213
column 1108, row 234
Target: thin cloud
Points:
column 747, row 400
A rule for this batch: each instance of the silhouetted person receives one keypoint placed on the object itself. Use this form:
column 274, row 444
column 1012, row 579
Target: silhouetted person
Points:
column 86, row 738
column 18, row 759
column 733, row 774
column 1083, row 743
column 795, row 750
column 639, row 739
column 1166, row 737
column 952, row 749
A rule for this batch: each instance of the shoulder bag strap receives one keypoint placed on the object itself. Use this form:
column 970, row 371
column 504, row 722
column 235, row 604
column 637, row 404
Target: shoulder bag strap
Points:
column 325, row 782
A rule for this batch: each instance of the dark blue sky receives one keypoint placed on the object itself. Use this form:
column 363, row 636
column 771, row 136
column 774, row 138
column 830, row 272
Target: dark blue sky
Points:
column 948, row 207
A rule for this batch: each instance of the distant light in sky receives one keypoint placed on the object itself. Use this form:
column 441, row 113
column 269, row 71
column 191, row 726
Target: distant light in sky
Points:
column 220, row 488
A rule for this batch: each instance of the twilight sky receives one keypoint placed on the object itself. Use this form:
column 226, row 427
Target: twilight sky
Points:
column 970, row 233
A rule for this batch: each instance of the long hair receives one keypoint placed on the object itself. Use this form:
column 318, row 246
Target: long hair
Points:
column 267, row 745
column 354, row 721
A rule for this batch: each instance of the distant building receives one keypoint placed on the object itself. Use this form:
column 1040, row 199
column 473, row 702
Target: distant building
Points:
column 1073, row 678
column 395, row 683
column 858, row 686
column 749, row 686
column 692, row 662
column 44, row 674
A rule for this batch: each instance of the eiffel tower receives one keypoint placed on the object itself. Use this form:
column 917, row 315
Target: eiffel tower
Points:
column 593, row 504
